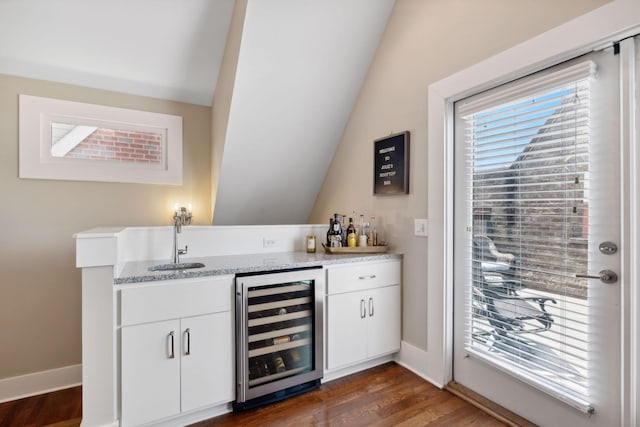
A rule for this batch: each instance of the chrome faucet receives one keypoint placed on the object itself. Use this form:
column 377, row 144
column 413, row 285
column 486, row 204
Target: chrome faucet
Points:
column 178, row 219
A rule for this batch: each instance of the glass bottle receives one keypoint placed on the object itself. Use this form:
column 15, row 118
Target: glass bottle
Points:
column 311, row 244
column 337, row 231
column 372, row 239
column 351, row 234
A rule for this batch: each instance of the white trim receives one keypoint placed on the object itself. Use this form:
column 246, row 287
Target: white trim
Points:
column 600, row 27
column 334, row 374
column 36, row 114
column 40, row 382
column 414, row 358
column 630, row 271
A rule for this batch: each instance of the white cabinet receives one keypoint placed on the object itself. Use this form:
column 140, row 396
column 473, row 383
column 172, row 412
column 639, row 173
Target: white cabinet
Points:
column 176, row 348
column 363, row 312
column 150, row 378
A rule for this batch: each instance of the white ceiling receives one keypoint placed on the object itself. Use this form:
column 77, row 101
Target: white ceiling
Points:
column 167, row 49
column 300, row 68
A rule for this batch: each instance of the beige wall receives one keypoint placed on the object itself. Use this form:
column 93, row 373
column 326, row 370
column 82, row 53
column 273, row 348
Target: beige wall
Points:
column 40, row 286
column 425, row 41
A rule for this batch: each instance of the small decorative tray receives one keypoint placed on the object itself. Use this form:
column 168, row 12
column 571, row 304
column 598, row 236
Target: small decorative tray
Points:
column 356, row 250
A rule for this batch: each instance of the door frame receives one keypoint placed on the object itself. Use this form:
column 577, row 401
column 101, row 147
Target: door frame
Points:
column 610, row 23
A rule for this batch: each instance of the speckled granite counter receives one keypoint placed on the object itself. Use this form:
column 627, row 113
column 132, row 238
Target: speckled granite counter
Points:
column 137, row 272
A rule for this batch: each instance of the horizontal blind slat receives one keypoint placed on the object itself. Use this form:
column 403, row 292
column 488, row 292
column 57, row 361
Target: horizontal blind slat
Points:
column 527, row 148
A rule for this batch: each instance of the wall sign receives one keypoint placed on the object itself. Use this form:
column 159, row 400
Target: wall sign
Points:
column 391, row 164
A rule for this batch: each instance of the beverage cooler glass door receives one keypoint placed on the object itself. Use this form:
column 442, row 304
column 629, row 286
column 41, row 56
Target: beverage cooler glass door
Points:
column 279, row 331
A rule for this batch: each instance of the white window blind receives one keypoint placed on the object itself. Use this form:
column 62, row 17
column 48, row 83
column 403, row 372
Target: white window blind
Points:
column 527, row 175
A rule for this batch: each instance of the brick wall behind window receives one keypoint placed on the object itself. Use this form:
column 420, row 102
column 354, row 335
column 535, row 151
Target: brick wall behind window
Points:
column 118, row 145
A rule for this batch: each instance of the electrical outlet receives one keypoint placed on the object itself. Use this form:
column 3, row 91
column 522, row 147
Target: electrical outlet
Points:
column 269, row 242
column 420, row 227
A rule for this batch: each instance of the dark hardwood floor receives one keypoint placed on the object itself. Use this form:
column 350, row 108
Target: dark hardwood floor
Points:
column 59, row 408
column 387, row 395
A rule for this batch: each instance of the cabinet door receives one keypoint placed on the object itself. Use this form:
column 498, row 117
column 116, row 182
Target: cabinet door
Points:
column 150, row 375
column 207, row 367
column 383, row 315
column 346, row 329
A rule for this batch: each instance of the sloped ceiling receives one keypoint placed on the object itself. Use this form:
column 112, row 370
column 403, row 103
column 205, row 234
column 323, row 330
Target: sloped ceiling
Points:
column 167, row 49
column 300, row 68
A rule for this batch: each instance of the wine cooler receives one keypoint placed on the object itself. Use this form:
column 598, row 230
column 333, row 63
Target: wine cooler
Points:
column 278, row 334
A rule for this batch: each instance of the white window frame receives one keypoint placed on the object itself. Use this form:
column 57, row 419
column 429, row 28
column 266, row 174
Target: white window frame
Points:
column 36, row 161
column 599, row 28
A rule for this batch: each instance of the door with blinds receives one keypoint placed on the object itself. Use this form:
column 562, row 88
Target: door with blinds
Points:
column 537, row 229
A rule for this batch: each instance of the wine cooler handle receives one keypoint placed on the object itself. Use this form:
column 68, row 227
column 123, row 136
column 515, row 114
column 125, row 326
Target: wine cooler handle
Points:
column 187, row 334
column 363, row 309
column 170, row 342
column 370, row 307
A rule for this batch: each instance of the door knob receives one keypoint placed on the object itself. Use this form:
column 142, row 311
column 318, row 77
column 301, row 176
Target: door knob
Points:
column 607, row 276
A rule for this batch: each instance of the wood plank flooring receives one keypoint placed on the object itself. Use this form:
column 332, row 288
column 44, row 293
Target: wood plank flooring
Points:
column 387, row 395
column 56, row 409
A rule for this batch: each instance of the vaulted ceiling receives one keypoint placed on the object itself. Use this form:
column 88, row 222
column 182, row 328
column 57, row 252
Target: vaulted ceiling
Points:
column 300, row 66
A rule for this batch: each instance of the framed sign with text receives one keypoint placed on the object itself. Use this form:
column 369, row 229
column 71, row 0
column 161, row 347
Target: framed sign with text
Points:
column 391, row 164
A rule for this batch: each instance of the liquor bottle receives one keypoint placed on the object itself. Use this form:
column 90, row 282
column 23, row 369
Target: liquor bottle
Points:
column 336, row 233
column 311, row 244
column 372, row 239
column 330, row 232
column 344, row 224
column 337, row 225
column 351, row 234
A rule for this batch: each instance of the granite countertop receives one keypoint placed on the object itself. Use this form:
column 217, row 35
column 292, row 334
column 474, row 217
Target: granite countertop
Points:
column 138, row 271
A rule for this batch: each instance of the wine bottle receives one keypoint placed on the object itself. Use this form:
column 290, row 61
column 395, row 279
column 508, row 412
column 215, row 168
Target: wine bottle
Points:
column 330, row 232
column 336, row 233
column 278, row 362
column 351, row 234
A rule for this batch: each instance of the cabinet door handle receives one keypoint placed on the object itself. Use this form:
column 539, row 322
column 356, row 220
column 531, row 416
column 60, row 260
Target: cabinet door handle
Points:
column 187, row 334
column 170, row 341
column 370, row 307
column 363, row 309
column 371, row 276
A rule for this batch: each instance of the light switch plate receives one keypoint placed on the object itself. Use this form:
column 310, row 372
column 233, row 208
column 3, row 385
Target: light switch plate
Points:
column 421, row 227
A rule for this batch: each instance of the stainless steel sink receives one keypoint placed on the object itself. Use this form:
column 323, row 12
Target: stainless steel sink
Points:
column 178, row 266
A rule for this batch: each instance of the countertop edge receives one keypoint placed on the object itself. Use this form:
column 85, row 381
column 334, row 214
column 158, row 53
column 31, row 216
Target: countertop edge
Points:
column 137, row 272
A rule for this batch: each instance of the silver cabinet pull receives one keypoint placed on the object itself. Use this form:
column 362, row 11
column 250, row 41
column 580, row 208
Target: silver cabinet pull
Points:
column 371, row 307
column 170, row 341
column 363, row 309
column 187, row 334
column 371, row 276
column 607, row 276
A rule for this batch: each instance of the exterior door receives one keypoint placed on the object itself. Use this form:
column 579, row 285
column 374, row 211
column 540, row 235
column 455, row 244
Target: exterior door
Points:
column 537, row 208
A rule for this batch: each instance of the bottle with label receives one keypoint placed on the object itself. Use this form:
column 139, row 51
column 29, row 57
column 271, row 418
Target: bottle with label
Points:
column 351, row 234
column 311, row 244
column 330, row 232
column 278, row 363
column 336, row 233
column 344, row 224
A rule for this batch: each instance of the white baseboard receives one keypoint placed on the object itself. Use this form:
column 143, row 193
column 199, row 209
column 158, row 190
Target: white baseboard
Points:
column 334, row 374
column 416, row 360
column 40, row 382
